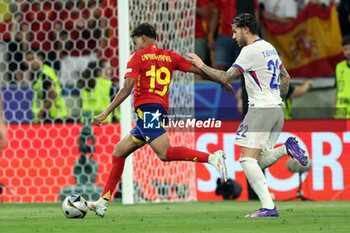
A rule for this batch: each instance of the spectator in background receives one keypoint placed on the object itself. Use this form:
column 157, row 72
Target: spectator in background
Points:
column 225, row 48
column 41, row 16
column 108, row 44
column 277, row 11
column 5, row 19
column 3, row 133
column 201, row 33
column 48, row 104
column 248, row 6
column 295, row 92
column 96, row 88
column 17, row 43
column 80, row 20
column 16, row 49
column 344, row 16
column 31, row 26
column 342, row 101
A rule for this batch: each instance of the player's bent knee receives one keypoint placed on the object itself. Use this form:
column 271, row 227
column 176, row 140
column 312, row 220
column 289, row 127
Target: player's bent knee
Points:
column 118, row 152
column 115, row 153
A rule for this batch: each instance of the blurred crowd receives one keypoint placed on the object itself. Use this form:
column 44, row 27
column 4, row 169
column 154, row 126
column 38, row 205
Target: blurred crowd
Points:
column 50, row 45
column 70, row 33
column 74, row 33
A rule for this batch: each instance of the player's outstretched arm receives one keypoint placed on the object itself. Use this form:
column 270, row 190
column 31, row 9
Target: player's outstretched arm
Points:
column 284, row 82
column 119, row 98
column 224, row 84
column 214, row 74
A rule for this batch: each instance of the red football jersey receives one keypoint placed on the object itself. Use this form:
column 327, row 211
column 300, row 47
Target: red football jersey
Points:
column 153, row 69
column 201, row 23
column 228, row 11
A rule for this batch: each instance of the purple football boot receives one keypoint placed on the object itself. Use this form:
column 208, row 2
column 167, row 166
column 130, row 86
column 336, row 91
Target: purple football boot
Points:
column 295, row 151
column 264, row 213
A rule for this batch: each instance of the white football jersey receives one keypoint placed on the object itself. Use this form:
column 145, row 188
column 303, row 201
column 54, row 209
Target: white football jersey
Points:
column 260, row 64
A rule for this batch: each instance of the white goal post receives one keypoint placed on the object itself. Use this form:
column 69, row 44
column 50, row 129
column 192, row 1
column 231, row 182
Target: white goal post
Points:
column 145, row 177
column 126, row 106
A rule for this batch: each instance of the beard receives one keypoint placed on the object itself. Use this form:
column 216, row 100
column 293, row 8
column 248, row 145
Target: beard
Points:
column 241, row 42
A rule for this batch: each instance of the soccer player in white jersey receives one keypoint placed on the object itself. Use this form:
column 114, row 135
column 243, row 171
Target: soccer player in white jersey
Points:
column 267, row 83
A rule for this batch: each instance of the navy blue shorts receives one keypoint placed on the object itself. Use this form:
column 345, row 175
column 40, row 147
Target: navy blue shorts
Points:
column 151, row 119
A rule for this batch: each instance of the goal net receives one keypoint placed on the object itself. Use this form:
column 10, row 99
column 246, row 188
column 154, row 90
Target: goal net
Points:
column 154, row 179
column 53, row 153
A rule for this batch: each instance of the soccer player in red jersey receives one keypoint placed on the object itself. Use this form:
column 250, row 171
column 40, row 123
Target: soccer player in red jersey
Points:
column 149, row 72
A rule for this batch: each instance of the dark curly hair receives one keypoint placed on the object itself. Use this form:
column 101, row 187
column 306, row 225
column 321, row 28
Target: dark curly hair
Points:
column 144, row 29
column 246, row 20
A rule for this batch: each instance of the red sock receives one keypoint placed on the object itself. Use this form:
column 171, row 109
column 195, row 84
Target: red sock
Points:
column 114, row 176
column 186, row 154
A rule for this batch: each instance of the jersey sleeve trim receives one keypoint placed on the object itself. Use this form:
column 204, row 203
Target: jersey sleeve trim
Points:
column 239, row 67
column 132, row 67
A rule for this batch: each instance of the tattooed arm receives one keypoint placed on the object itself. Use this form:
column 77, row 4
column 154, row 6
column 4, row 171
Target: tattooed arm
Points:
column 284, row 81
column 214, row 75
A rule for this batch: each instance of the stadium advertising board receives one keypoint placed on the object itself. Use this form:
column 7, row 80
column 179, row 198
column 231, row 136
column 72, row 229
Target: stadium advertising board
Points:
column 326, row 141
column 39, row 159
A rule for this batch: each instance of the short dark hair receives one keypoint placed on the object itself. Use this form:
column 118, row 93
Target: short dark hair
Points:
column 246, row 20
column 144, row 29
column 346, row 40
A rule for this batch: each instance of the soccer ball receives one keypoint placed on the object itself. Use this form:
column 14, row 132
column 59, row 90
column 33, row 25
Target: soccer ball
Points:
column 74, row 206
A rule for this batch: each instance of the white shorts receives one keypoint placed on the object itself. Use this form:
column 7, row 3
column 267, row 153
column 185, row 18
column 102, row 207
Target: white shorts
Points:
column 260, row 128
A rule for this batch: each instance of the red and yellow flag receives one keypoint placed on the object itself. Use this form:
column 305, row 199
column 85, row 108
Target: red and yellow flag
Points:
column 310, row 46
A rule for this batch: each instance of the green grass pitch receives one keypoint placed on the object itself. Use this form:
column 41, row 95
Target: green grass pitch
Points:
column 221, row 216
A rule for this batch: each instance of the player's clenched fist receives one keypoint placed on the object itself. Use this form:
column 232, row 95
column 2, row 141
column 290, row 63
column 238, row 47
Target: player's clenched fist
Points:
column 98, row 119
